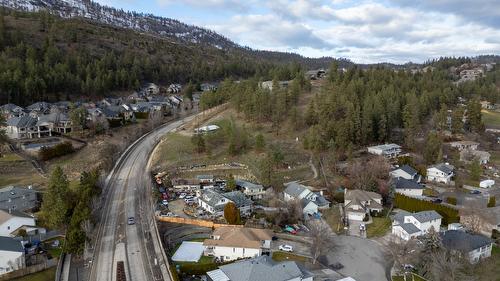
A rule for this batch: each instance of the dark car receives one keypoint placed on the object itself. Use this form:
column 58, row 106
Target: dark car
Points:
column 475, row 192
column 437, row 201
column 131, row 221
column 274, row 238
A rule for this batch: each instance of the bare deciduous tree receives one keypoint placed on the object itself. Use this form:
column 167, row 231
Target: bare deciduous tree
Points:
column 322, row 241
column 404, row 253
column 472, row 220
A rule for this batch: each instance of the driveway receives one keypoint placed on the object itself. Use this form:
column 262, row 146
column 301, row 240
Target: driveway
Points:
column 177, row 207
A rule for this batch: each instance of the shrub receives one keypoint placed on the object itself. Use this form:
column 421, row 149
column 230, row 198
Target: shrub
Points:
column 451, row 200
column 58, row 150
column 492, row 202
column 339, row 197
column 495, row 234
column 450, row 215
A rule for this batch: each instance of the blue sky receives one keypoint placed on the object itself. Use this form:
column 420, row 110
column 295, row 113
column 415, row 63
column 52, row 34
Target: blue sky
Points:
column 363, row 31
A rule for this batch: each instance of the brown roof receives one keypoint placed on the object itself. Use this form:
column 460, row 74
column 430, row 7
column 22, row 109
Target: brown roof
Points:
column 241, row 237
column 185, row 182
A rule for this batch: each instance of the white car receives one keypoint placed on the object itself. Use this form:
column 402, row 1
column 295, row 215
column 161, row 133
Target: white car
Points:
column 286, row 248
column 182, row 196
column 189, row 200
column 164, row 202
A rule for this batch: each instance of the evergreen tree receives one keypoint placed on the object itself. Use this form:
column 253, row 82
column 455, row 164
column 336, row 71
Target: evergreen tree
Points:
column 432, row 149
column 475, row 170
column 260, row 142
column 55, row 205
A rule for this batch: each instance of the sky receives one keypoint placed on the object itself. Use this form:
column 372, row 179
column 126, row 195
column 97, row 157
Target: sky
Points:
column 396, row 31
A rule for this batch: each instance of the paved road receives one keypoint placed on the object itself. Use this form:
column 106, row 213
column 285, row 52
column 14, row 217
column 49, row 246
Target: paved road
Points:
column 127, row 189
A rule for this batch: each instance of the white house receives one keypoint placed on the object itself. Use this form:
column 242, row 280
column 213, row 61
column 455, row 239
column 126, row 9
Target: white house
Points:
column 387, row 150
column 12, row 220
column 232, row 243
column 407, row 187
column 11, row 255
column 252, row 190
column 410, row 225
column 359, row 203
column 205, row 178
column 259, row 269
column 213, row 202
column 406, row 172
column 475, row 247
column 462, row 145
column 442, row 172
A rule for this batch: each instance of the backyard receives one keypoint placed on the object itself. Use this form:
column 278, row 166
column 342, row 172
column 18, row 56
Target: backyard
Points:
column 491, row 118
column 46, row 275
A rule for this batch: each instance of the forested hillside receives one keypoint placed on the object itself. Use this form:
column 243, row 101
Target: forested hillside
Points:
column 44, row 57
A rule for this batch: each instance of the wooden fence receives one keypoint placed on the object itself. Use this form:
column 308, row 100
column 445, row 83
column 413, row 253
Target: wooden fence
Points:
column 197, row 222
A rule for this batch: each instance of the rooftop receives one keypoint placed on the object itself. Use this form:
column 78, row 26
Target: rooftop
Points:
column 402, row 183
column 463, row 241
column 232, row 236
column 10, row 245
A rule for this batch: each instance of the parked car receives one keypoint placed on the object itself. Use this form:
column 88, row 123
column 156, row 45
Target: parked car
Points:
column 475, row 192
column 164, row 196
column 290, row 229
column 189, row 200
column 131, row 221
column 164, row 202
column 437, row 201
column 182, row 195
column 274, row 238
column 286, row 248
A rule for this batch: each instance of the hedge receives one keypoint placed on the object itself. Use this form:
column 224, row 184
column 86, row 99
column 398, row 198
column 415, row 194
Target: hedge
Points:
column 492, row 202
column 141, row 115
column 450, row 215
column 61, row 149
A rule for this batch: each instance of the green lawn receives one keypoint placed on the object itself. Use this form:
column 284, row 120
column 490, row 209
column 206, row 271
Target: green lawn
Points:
column 46, row 275
column 491, row 118
column 333, row 218
column 378, row 227
column 284, row 256
column 197, row 268
column 430, row 192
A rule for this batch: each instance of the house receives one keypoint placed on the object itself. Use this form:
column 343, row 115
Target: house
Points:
column 174, row 88
column 407, row 187
column 20, row 199
column 151, row 89
column 462, row 145
column 469, row 155
column 406, row 172
column 473, row 246
column 186, row 184
column 442, row 172
column 11, row 255
column 205, row 178
column 269, row 85
column 410, row 225
column 262, row 268
column 252, row 190
column 302, row 193
column 39, row 108
column 232, row 243
column 11, row 221
column 20, row 127
column 208, row 87
column 359, row 203
column 11, row 110
column 213, row 202
column 487, row 105
column 54, row 122
column 315, row 74
column 387, row 150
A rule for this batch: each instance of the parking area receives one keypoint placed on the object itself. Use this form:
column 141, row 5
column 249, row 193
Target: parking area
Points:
column 300, row 245
column 177, row 208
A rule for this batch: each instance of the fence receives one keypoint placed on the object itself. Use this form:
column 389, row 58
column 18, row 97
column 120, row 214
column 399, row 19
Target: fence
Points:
column 197, row 222
column 29, row 270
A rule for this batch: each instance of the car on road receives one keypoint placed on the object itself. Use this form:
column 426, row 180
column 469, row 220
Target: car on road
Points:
column 475, row 192
column 285, row 248
column 164, row 202
column 131, row 221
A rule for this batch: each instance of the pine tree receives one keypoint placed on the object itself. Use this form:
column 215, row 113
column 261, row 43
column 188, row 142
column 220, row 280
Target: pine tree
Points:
column 55, row 205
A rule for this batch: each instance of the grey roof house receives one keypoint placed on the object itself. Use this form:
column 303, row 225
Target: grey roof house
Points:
column 407, row 225
column 262, row 268
column 406, row 172
column 250, row 189
column 214, row 202
column 475, row 247
column 18, row 198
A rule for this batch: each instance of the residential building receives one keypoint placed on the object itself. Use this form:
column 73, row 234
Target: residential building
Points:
column 12, row 221
column 252, row 190
column 19, row 199
column 151, row 89
column 487, row 105
column 174, row 88
column 410, row 225
column 469, row 155
column 213, row 202
column 39, row 108
column 406, row 172
column 20, row 127
column 11, row 255
column 310, row 201
column 11, row 110
column 442, row 172
column 473, row 246
column 462, row 145
column 206, row 129
column 407, row 187
column 208, row 87
column 186, row 184
column 205, row 178
column 262, row 268
column 387, row 150
column 359, row 203
column 234, row 242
